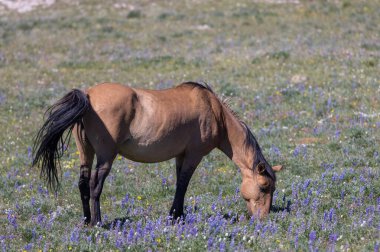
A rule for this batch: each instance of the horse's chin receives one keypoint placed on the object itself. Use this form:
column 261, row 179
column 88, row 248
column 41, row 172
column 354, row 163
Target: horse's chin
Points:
column 255, row 210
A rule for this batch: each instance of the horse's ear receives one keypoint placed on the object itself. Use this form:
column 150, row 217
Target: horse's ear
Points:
column 277, row 168
column 261, row 168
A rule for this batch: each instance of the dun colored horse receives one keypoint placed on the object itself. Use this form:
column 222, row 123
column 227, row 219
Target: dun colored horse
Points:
column 185, row 123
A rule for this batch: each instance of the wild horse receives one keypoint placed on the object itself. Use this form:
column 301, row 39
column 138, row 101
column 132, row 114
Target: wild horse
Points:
column 185, row 123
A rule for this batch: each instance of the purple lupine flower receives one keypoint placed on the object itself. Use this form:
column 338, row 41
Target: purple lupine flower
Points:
column 316, row 130
column 329, row 102
column 130, row 235
column 33, row 201
column 34, row 233
column 40, row 190
column 66, row 174
column 361, row 190
column 251, row 220
column 125, row 201
column 30, row 153
column 164, row 182
column 337, row 134
column 346, row 152
column 331, row 214
column 40, row 218
column 323, row 175
column 312, row 237
column 28, row 246
column 290, row 228
column 222, row 246
column 12, row 219
column 3, row 246
column 119, row 243
column 74, row 237
column 306, row 201
column 210, row 243
column 275, row 150
column 232, row 245
column 333, row 238
column 294, row 191
column 342, row 175
column 306, row 184
column 2, row 98
column 296, row 151
column 342, row 194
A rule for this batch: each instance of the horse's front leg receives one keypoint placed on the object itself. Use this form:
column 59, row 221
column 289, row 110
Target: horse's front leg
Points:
column 184, row 173
column 96, row 186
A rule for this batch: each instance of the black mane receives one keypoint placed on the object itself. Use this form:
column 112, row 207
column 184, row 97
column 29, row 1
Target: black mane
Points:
column 250, row 140
column 203, row 85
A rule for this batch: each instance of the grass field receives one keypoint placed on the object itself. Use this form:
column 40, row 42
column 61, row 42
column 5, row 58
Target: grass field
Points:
column 304, row 76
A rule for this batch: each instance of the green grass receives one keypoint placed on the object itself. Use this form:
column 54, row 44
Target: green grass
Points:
column 303, row 76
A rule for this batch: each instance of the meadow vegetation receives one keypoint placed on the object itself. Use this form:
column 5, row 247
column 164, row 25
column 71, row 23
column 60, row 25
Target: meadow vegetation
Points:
column 304, row 76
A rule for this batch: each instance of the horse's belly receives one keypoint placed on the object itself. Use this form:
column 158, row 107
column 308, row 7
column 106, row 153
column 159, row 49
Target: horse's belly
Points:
column 151, row 152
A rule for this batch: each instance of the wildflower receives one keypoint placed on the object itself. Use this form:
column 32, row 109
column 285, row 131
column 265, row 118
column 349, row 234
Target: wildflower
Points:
column 312, row 237
column 30, row 153
column 275, row 150
column 306, row 184
column 28, row 247
column 210, row 243
column 222, row 246
column 337, row 134
column 333, row 238
column 119, row 243
column 139, row 197
column 12, row 219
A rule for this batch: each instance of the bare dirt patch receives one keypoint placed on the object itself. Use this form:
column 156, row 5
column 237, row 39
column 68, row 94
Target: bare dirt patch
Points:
column 22, row 6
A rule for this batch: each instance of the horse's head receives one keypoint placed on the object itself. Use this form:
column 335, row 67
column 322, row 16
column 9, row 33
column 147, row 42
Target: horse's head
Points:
column 258, row 190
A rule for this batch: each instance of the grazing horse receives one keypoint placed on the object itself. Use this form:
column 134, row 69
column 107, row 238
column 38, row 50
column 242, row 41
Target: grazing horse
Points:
column 185, row 122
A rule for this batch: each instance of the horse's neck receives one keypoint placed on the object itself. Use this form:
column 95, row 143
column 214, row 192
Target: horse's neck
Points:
column 234, row 145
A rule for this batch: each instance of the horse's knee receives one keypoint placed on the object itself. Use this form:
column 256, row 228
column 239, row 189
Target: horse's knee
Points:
column 83, row 185
column 97, row 180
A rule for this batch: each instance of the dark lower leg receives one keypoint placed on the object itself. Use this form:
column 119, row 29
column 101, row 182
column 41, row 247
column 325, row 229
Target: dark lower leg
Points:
column 187, row 170
column 174, row 211
column 96, row 187
column 84, row 188
column 178, row 166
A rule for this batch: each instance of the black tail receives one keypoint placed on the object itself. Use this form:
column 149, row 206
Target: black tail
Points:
column 50, row 142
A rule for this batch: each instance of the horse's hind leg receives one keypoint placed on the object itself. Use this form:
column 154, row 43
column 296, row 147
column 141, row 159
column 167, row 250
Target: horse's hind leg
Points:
column 103, row 168
column 185, row 166
column 86, row 155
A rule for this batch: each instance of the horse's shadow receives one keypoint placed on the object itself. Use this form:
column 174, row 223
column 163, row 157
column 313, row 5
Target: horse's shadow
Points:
column 116, row 222
column 233, row 218
column 277, row 208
